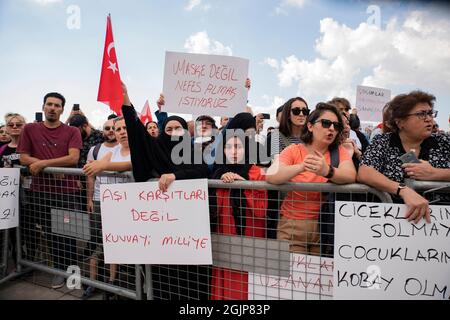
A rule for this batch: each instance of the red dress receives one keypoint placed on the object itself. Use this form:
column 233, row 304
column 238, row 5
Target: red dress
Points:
column 228, row 284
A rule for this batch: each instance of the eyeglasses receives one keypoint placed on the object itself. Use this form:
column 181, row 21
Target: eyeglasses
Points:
column 424, row 114
column 12, row 125
column 297, row 111
column 107, row 128
column 327, row 124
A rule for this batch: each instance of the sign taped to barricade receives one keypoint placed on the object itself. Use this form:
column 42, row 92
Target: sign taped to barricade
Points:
column 310, row 278
column 205, row 84
column 370, row 102
column 378, row 254
column 9, row 195
column 143, row 225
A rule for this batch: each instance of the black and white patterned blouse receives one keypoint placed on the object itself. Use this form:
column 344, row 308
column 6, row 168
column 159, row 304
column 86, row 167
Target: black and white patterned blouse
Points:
column 279, row 142
column 385, row 149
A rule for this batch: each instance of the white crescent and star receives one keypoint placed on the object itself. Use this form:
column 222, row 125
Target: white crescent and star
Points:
column 111, row 45
column 112, row 66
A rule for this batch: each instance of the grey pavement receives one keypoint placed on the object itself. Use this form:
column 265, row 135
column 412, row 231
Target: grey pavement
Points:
column 37, row 286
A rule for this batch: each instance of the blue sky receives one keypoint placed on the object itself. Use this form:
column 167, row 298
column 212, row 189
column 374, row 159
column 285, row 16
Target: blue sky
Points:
column 315, row 49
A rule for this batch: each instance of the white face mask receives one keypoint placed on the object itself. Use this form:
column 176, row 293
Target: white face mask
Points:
column 202, row 139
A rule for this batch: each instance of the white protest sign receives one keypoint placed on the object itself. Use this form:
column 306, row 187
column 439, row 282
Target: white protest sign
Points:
column 9, row 195
column 370, row 102
column 205, row 84
column 142, row 225
column 311, row 278
column 378, row 254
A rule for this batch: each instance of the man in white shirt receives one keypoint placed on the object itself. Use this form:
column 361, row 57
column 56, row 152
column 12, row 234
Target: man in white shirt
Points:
column 113, row 157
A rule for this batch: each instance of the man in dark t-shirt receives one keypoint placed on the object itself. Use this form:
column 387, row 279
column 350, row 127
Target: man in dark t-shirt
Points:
column 52, row 144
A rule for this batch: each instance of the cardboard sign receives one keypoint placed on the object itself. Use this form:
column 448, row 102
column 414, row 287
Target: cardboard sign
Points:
column 370, row 102
column 205, row 84
column 311, row 278
column 378, row 254
column 142, row 225
column 9, row 198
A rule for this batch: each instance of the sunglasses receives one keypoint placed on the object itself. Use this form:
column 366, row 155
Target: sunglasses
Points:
column 297, row 111
column 107, row 128
column 12, row 125
column 327, row 124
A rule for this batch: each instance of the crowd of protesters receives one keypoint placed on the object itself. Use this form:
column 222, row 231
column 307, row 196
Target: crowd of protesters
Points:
column 318, row 144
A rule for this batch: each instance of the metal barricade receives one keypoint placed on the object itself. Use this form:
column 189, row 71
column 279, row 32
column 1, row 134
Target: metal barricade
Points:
column 250, row 261
column 436, row 192
column 4, row 234
column 60, row 236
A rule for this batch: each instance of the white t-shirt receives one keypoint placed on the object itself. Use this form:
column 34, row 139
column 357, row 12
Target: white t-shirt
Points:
column 116, row 157
column 101, row 152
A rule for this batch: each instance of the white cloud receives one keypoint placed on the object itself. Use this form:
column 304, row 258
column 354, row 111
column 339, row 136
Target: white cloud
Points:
column 46, row 2
column 285, row 5
column 273, row 63
column 201, row 43
column 414, row 54
column 192, row 4
column 197, row 4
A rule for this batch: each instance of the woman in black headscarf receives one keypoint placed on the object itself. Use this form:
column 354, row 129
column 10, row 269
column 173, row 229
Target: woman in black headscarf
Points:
column 154, row 157
column 159, row 158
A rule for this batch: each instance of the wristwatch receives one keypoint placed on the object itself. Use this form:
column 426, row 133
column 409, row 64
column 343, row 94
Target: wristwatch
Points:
column 330, row 173
column 400, row 187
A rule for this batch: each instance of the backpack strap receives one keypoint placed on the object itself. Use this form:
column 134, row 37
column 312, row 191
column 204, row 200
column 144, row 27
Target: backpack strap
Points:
column 95, row 151
column 334, row 156
column 326, row 216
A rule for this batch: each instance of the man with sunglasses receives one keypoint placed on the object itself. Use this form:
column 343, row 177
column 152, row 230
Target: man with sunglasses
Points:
column 98, row 152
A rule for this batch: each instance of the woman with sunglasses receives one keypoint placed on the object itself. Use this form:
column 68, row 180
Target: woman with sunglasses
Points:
column 292, row 115
column 292, row 120
column 411, row 122
column 8, row 155
column 310, row 162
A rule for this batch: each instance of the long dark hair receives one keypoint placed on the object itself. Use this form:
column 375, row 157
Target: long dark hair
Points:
column 285, row 123
column 307, row 136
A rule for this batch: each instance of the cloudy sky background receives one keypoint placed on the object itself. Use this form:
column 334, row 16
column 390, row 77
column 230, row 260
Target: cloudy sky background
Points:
column 315, row 49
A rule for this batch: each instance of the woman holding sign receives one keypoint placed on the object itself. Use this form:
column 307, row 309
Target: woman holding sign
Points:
column 410, row 150
column 238, row 212
column 319, row 159
column 154, row 158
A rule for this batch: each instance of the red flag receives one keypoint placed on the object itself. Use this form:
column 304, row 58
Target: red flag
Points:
column 110, row 88
column 146, row 114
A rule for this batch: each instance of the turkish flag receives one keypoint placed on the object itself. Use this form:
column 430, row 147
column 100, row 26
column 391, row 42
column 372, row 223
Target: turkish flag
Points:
column 146, row 114
column 110, row 88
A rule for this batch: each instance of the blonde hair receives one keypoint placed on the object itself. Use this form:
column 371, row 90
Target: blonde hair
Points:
column 12, row 115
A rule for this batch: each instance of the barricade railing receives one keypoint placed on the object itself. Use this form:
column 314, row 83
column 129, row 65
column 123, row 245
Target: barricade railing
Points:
column 61, row 237
column 4, row 234
column 252, row 265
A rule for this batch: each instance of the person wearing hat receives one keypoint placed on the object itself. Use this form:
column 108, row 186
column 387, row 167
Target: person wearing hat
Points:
column 90, row 136
column 205, row 130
